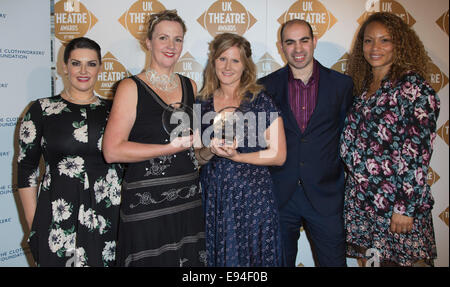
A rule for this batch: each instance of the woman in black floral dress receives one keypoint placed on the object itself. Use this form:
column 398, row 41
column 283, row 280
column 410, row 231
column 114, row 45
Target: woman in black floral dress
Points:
column 74, row 220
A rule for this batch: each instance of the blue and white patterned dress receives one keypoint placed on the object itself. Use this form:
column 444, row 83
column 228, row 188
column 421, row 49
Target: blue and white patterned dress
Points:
column 387, row 145
column 242, row 226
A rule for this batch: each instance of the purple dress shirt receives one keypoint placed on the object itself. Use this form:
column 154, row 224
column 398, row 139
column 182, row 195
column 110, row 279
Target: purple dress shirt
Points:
column 303, row 98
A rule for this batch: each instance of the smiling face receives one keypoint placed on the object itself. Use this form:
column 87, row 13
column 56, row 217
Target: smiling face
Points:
column 298, row 46
column 82, row 68
column 378, row 48
column 166, row 45
column 229, row 67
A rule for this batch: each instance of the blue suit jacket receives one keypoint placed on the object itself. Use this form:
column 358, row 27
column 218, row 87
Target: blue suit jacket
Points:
column 313, row 159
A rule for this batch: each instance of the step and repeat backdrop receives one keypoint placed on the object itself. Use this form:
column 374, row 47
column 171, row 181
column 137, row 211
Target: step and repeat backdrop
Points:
column 31, row 68
column 25, row 73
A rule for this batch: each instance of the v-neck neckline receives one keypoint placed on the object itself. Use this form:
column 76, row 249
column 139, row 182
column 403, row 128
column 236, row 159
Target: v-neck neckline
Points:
column 158, row 98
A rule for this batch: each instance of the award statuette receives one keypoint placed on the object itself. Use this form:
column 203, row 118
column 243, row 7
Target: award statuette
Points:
column 226, row 124
column 177, row 120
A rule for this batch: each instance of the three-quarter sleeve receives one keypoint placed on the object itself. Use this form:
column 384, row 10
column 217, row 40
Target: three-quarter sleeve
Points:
column 30, row 134
column 419, row 106
column 267, row 106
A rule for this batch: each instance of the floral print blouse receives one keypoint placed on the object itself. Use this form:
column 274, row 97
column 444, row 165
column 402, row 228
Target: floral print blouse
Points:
column 387, row 145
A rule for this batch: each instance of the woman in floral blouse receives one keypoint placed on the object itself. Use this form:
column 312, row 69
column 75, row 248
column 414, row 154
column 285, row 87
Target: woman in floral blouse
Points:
column 74, row 220
column 387, row 145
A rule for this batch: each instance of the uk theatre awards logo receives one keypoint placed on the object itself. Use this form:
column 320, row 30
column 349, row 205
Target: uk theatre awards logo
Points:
column 341, row 65
column 313, row 12
column 266, row 65
column 443, row 22
column 226, row 16
column 135, row 18
column 444, row 216
column 390, row 6
column 189, row 67
column 443, row 132
column 436, row 78
column 113, row 71
column 72, row 20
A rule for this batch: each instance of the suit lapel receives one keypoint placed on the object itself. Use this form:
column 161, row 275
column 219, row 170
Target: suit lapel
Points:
column 321, row 99
column 284, row 102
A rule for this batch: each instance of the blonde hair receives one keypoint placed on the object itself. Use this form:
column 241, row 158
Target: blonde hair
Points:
column 409, row 52
column 220, row 44
column 165, row 15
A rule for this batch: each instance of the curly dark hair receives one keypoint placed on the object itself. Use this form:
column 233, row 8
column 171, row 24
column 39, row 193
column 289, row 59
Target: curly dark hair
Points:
column 409, row 52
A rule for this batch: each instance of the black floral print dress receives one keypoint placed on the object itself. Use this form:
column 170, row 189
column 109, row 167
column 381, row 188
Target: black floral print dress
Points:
column 77, row 212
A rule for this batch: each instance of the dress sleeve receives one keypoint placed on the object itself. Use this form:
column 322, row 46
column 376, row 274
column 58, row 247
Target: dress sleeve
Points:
column 419, row 107
column 30, row 135
column 267, row 105
column 346, row 103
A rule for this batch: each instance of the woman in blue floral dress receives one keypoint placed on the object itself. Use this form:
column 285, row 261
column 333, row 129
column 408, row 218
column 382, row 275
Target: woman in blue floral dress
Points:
column 387, row 145
column 74, row 220
column 242, row 227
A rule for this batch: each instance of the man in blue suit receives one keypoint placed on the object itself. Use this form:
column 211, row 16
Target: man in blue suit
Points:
column 309, row 187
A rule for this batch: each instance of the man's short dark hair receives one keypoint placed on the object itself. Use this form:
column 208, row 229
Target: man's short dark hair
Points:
column 299, row 21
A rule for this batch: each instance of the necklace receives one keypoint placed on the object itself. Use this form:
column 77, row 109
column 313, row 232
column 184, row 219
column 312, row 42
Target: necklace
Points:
column 88, row 101
column 163, row 82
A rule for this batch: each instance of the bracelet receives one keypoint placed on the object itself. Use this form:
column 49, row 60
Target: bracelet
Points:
column 200, row 155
